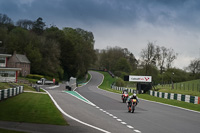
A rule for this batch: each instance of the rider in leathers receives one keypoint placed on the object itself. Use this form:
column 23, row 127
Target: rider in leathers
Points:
column 133, row 97
column 124, row 91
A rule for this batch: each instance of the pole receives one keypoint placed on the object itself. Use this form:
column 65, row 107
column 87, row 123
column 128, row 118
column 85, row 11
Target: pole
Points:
column 172, row 81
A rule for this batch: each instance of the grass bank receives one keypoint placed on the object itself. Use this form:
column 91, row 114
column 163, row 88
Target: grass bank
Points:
column 10, row 85
column 9, row 131
column 108, row 80
column 31, row 108
column 187, row 88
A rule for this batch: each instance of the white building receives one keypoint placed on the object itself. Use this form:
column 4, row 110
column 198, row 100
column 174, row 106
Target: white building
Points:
column 7, row 74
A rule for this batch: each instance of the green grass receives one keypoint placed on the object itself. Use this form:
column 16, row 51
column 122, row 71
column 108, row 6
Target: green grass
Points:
column 31, row 108
column 108, row 80
column 182, row 104
column 187, row 88
column 9, row 131
column 10, row 85
column 4, row 86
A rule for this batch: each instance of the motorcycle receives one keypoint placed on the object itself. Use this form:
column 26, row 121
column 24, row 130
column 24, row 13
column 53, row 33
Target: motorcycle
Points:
column 124, row 97
column 131, row 105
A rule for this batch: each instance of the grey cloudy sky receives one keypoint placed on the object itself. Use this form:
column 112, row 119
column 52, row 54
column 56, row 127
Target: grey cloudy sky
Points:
column 125, row 23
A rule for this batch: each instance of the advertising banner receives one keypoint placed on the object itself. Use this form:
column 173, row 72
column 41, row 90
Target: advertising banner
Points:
column 140, row 78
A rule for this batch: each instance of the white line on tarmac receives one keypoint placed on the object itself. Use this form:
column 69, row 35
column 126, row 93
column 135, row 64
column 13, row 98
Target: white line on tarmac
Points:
column 123, row 123
column 171, row 106
column 119, row 120
column 156, row 102
column 73, row 117
column 137, row 131
column 130, row 126
column 114, row 117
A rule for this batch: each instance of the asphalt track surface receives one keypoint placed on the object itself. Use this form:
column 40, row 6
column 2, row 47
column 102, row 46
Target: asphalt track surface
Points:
column 149, row 117
column 109, row 114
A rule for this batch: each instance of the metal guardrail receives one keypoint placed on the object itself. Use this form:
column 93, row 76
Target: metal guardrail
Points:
column 123, row 88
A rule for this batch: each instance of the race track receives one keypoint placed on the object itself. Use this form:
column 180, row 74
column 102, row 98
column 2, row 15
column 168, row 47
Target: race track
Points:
column 109, row 114
column 149, row 117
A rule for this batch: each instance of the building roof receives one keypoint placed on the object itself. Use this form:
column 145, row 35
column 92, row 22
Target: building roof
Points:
column 22, row 58
column 5, row 55
column 9, row 69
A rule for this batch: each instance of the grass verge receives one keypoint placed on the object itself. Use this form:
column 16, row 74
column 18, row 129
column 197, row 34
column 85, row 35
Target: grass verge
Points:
column 191, row 106
column 31, row 108
column 9, row 131
column 108, row 80
column 187, row 88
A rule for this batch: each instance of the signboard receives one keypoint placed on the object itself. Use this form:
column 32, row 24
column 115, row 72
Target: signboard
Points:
column 138, row 78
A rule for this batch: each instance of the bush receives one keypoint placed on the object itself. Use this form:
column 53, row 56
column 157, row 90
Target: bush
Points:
column 34, row 76
column 120, row 82
column 120, row 74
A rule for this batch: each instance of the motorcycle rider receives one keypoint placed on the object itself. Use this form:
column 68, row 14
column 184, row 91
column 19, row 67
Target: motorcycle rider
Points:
column 125, row 91
column 133, row 97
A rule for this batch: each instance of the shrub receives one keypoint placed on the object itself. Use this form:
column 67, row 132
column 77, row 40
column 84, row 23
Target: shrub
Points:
column 120, row 82
column 34, row 76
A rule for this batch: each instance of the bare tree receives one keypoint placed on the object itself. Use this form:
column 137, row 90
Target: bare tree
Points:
column 162, row 57
column 171, row 57
column 149, row 55
column 194, row 66
column 157, row 56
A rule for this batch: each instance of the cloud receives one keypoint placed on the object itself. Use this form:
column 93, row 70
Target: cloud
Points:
column 126, row 23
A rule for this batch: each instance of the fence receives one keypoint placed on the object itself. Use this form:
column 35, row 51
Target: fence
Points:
column 183, row 86
column 6, row 93
column 179, row 97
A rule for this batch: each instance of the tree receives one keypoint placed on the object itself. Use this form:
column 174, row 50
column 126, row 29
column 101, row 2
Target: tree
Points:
column 38, row 26
column 123, row 65
column 171, row 57
column 4, row 19
column 24, row 23
column 81, row 44
column 50, row 51
column 3, row 39
column 194, row 66
column 133, row 61
column 162, row 53
column 157, row 56
column 110, row 56
column 149, row 56
column 17, row 40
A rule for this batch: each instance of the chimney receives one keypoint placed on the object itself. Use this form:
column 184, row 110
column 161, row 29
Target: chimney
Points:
column 14, row 53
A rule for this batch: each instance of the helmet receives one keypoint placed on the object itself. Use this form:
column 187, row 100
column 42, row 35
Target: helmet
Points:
column 134, row 95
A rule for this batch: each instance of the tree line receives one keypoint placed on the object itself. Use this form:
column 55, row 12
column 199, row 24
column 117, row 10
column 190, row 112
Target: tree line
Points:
column 51, row 51
column 70, row 52
column 155, row 61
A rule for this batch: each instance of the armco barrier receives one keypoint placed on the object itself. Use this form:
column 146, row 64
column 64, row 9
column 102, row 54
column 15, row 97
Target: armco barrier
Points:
column 6, row 93
column 179, row 97
column 123, row 88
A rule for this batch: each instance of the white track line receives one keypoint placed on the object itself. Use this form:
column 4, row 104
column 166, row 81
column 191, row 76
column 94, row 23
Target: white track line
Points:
column 73, row 118
column 124, row 123
column 154, row 102
column 137, row 131
column 130, row 127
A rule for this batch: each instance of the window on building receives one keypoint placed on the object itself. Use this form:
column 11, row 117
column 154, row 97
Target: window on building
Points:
column 7, row 73
column 2, row 61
